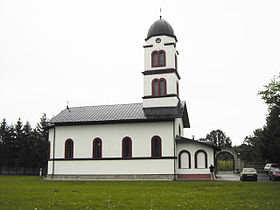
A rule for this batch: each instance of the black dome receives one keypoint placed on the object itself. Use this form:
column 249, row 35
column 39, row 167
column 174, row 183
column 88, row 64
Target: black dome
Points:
column 160, row 27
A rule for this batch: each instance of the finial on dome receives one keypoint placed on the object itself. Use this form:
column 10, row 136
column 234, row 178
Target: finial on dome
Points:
column 160, row 13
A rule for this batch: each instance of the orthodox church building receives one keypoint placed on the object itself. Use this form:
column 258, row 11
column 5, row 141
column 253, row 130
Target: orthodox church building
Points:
column 133, row 141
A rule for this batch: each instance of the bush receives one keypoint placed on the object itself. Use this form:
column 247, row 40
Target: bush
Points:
column 225, row 165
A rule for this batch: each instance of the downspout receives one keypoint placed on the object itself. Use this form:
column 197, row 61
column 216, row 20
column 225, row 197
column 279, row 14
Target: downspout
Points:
column 53, row 151
column 174, row 179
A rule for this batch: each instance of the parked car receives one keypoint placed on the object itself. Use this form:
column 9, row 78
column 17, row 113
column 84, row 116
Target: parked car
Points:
column 274, row 174
column 249, row 174
column 268, row 167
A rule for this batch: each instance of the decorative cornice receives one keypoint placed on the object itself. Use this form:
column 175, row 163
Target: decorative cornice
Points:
column 174, row 44
column 165, row 96
column 162, row 34
column 161, row 71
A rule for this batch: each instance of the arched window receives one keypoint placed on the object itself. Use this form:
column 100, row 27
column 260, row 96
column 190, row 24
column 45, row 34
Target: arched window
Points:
column 155, row 59
column 162, row 87
column 161, row 58
column 49, row 149
column 97, row 148
column 200, row 159
column 126, row 147
column 69, row 148
column 155, row 87
column 184, row 159
column 156, row 146
column 159, row 87
column 158, row 58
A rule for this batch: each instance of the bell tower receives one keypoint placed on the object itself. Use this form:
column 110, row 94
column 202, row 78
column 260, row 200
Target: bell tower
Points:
column 161, row 77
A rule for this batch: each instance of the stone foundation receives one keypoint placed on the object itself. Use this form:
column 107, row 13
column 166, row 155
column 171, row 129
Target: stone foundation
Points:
column 194, row 177
column 129, row 177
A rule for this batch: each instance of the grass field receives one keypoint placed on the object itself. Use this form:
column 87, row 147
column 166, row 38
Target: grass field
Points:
column 22, row 192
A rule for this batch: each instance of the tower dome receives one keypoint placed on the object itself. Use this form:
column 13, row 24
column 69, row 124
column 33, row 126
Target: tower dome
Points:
column 160, row 27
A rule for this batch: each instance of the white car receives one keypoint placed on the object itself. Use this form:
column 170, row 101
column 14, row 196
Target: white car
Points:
column 268, row 167
column 249, row 174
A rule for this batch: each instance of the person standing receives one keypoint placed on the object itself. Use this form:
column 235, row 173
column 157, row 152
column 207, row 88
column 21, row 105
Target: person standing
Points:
column 212, row 172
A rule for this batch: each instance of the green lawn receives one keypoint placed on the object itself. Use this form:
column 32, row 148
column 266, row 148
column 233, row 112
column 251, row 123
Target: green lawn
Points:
column 22, row 192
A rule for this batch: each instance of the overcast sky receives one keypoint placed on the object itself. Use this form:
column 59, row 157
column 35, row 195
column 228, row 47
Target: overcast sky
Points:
column 91, row 53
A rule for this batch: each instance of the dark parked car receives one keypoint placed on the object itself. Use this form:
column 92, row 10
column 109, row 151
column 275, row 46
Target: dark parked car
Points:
column 248, row 174
column 274, row 174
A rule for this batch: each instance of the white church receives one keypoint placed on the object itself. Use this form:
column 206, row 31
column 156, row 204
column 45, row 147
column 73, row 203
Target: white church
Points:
column 138, row 141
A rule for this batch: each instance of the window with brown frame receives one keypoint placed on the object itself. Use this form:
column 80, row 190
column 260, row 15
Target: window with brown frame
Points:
column 69, row 149
column 159, row 87
column 200, row 162
column 126, row 147
column 156, row 146
column 97, row 148
column 49, row 149
column 184, row 159
column 158, row 58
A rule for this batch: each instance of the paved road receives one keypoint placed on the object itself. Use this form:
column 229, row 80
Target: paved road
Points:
column 230, row 176
column 227, row 176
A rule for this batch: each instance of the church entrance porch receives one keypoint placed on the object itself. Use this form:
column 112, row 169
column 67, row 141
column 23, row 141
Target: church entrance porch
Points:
column 193, row 159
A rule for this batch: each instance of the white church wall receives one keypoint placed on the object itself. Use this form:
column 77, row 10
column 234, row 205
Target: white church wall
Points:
column 111, row 136
column 192, row 148
column 113, row 167
column 170, row 52
column 161, row 102
column 51, row 132
column 179, row 123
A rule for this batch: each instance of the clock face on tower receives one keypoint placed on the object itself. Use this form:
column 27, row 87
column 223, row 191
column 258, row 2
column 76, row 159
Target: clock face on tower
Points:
column 158, row 40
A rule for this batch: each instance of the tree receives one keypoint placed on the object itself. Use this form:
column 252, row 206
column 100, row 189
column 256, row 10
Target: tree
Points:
column 4, row 139
column 25, row 146
column 271, row 95
column 219, row 138
column 270, row 138
column 22, row 146
column 250, row 149
column 41, row 143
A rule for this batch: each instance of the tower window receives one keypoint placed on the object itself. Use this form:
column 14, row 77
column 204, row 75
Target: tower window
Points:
column 162, row 87
column 161, row 58
column 159, row 87
column 158, row 58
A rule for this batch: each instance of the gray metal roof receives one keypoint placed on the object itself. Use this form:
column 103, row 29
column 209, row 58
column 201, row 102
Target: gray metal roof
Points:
column 117, row 113
column 207, row 143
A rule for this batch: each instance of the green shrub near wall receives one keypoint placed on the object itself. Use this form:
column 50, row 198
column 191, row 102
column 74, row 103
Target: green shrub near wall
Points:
column 225, row 165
